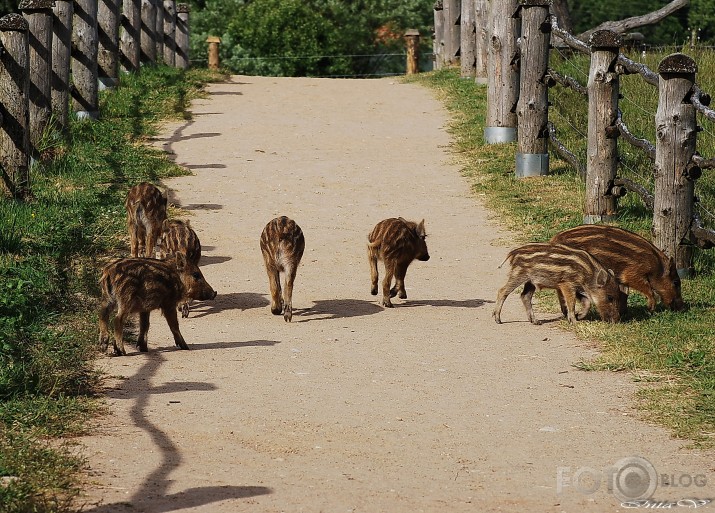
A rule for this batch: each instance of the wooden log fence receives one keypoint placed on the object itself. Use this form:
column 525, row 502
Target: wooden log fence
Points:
column 55, row 57
column 518, row 80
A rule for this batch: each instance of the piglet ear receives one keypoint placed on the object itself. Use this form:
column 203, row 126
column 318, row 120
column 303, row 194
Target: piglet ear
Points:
column 180, row 260
column 601, row 277
column 421, row 228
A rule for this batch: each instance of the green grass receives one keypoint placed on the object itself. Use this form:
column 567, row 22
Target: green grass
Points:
column 50, row 247
column 671, row 355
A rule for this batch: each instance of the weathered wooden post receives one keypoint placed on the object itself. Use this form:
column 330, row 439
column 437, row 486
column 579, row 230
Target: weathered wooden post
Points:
column 481, row 30
column 602, row 151
column 182, row 35
column 412, row 40
column 676, row 131
column 108, row 51
column 130, row 44
column 169, row 32
column 468, row 40
column 438, row 39
column 38, row 14
column 61, row 52
column 159, row 30
column 503, row 73
column 214, row 42
column 14, row 93
column 149, row 34
column 532, row 157
column 85, row 93
column 451, row 12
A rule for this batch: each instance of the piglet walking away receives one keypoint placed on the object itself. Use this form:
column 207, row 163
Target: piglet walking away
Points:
column 282, row 245
column 140, row 285
column 146, row 211
column 570, row 271
column 397, row 242
column 177, row 236
column 637, row 263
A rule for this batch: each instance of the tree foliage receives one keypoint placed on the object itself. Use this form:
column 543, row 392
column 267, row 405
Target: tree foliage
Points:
column 309, row 37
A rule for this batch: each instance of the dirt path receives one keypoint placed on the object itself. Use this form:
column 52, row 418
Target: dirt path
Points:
column 430, row 406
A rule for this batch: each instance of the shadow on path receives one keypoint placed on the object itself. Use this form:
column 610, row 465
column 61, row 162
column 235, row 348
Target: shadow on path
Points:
column 152, row 495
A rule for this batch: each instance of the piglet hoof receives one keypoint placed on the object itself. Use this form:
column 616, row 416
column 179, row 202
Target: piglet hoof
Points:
column 276, row 310
column 185, row 311
column 373, row 290
column 536, row 322
column 182, row 346
column 387, row 304
column 402, row 295
column 119, row 352
column 288, row 314
column 393, row 292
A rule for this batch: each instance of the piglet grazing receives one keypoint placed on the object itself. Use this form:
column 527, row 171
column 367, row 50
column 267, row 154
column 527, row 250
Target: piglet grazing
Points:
column 177, row 236
column 637, row 263
column 282, row 245
column 397, row 242
column 146, row 211
column 140, row 285
column 572, row 272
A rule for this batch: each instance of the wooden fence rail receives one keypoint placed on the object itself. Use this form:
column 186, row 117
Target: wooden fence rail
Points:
column 87, row 40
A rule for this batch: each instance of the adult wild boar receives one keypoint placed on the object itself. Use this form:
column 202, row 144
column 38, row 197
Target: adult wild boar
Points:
column 140, row 285
column 637, row 263
column 397, row 242
column 570, row 271
column 282, row 245
column 146, row 211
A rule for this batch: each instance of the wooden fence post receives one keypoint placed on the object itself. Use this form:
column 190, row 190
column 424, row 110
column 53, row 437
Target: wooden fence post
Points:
column 38, row 14
column 468, row 40
column 182, row 35
column 676, row 131
column 412, row 40
column 108, row 52
column 451, row 11
column 149, row 34
column 85, row 90
column 159, row 30
column 438, row 40
column 532, row 157
column 481, row 19
column 61, row 52
column 503, row 73
column 214, row 42
column 130, row 44
column 602, row 152
column 14, row 93
column 169, row 32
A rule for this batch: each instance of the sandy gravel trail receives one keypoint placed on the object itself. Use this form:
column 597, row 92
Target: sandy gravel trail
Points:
column 430, row 406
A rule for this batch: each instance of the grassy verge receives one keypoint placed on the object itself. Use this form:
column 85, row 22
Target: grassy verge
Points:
column 49, row 252
column 671, row 354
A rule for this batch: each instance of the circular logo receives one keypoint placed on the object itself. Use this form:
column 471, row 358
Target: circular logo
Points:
column 634, row 479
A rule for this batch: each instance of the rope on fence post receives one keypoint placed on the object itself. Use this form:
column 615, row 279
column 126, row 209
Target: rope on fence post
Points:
column 169, row 32
column 676, row 130
column 38, row 14
column 532, row 157
column 412, row 40
column 149, row 34
column 182, row 35
column 602, row 152
column 503, row 73
column 15, row 77
column 108, row 52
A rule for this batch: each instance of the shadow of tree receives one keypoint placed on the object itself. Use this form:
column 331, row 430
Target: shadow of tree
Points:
column 336, row 309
